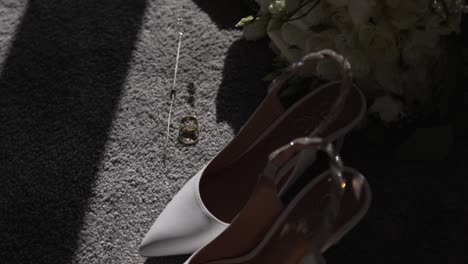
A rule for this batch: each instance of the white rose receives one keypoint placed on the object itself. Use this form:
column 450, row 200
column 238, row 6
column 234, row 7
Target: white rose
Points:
column 342, row 20
column 328, row 70
column 392, row 3
column 369, row 86
column 290, row 53
column 317, row 16
column 388, row 77
column 344, row 42
column 379, row 43
column 316, row 42
column 404, row 14
column 293, row 35
column 387, row 108
column 425, row 38
column 438, row 24
column 319, row 41
column 338, row 3
column 420, row 48
column 413, row 56
column 455, row 8
column 362, row 10
column 265, row 5
column 277, row 7
column 292, row 5
column 359, row 63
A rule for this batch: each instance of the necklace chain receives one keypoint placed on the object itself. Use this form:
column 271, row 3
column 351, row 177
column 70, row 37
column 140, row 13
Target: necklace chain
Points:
column 173, row 87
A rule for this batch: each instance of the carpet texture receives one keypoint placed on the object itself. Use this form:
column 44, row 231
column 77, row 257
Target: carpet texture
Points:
column 83, row 107
column 84, row 104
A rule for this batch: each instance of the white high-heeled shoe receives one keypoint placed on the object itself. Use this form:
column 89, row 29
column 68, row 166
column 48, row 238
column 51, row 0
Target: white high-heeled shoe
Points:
column 206, row 205
column 273, row 229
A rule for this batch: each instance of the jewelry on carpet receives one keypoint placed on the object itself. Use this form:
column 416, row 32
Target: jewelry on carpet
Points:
column 188, row 132
column 173, row 87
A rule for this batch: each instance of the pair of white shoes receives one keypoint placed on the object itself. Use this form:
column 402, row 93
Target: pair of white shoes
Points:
column 213, row 199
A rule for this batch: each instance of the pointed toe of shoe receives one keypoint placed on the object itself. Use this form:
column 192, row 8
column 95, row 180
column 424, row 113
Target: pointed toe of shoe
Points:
column 183, row 227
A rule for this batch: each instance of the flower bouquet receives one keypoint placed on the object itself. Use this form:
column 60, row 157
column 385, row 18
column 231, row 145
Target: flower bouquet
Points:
column 397, row 48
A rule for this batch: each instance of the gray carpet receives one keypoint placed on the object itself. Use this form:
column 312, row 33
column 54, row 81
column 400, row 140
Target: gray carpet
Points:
column 83, row 105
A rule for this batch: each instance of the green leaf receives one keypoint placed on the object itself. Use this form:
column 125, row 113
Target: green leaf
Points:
column 245, row 21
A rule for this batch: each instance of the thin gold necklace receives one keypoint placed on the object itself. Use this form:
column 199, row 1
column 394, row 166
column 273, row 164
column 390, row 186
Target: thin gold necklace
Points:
column 173, row 88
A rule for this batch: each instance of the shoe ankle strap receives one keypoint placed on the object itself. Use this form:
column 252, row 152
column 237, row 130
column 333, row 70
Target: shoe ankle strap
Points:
column 286, row 157
column 311, row 60
column 283, row 159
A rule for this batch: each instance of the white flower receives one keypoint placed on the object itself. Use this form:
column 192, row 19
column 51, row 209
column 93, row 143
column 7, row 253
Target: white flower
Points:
column 292, row 5
column 420, row 48
column 359, row 63
column 438, row 24
column 277, row 7
column 290, row 53
column 316, row 42
column 362, row 10
column 389, row 77
column 404, row 14
column 369, row 86
column 379, row 43
column 387, row 108
column 264, row 5
column 344, row 42
column 434, row 22
column 317, row 16
column 425, row 38
column 328, row 70
column 320, row 40
column 342, row 20
column 338, row 3
column 392, row 3
column 413, row 56
column 450, row 11
column 293, row 35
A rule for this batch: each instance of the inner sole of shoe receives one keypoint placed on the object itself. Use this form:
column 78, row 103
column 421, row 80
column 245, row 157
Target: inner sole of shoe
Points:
column 225, row 191
column 296, row 235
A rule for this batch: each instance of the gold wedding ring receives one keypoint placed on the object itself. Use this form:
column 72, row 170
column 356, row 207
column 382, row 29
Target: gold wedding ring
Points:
column 188, row 132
